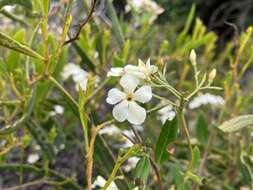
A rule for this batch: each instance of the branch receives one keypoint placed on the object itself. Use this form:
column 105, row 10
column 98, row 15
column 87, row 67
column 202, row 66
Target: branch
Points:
column 81, row 25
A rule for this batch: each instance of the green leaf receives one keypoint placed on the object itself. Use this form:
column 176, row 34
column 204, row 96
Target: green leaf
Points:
column 115, row 24
column 182, row 36
column 167, row 135
column 245, row 169
column 202, row 129
column 142, row 168
column 20, row 122
column 237, row 123
column 177, row 176
column 10, row 43
column 41, row 136
column 196, row 157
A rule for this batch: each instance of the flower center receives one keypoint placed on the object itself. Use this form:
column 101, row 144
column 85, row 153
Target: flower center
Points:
column 129, row 97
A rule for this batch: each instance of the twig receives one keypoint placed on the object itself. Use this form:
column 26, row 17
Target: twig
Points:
column 81, row 25
column 154, row 166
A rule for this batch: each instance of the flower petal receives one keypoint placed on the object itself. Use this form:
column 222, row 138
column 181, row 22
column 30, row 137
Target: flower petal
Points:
column 148, row 63
column 115, row 72
column 141, row 63
column 143, row 94
column 115, row 96
column 120, row 111
column 136, row 113
column 129, row 82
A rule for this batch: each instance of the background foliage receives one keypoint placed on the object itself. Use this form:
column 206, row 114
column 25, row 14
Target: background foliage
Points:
column 31, row 84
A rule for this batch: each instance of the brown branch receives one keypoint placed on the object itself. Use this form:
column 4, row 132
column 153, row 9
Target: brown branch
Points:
column 154, row 166
column 82, row 24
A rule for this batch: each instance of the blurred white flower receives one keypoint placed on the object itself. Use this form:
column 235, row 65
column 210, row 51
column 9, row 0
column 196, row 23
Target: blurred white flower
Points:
column 9, row 8
column 205, row 99
column 131, row 163
column 79, row 76
column 100, row 182
column 110, row 130
column 33, row 158
column 58, row 109
column 115, row 72
column 145, row 5
column 166, row 113
column 126, row 107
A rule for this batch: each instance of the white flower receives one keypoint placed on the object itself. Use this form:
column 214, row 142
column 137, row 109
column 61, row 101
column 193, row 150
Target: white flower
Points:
column 142, row 71
column 145, row 5
column 126, row 107
column 79, row 76
column 33, row 158
column 166, row 113
column 131, row 163
column 58, row 109
column 115, row 72
column 110, row 130
column 206, row 99
column 100, row 182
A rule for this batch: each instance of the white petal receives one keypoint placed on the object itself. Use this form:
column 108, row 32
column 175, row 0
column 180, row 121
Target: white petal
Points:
column 115, row 96
column 148, row 63
column 141, row 64
column 136, row 113
column 115, row 72
column 120, row 111
column 143, row 94
column 129, row 82
column 136, row 71
column 82, row 84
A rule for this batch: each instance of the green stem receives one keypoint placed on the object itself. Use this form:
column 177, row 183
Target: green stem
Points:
column 118, row 163
column 165, row 100
column 187, row 134
column 65, row 93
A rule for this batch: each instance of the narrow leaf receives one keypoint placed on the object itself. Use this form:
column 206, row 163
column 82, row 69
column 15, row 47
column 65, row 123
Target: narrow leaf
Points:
column 237, row 123
column 196, row 157
column 9, row 42
column 142, row 168
column 167, row 135
column 202, row 129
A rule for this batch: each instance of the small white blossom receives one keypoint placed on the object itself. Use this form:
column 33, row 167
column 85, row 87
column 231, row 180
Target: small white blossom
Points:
column 166, row 113
column 144, row 5
column 205, row 99
column 126, row 107
column 131, row 163
column 142, row 71
column 115, row 72
column 79, row 76
column 58, row 109
column 100, row 182
column 33, row 158
column 110, row 130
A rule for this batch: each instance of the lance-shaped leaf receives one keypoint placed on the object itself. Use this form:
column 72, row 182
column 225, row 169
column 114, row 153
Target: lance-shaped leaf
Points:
column 168, row 135
column 237, row 123
column 142, row 169
column 9, row 42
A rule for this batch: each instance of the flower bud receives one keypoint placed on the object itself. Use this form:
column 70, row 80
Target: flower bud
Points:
column 212, row 75
column 193, row 57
